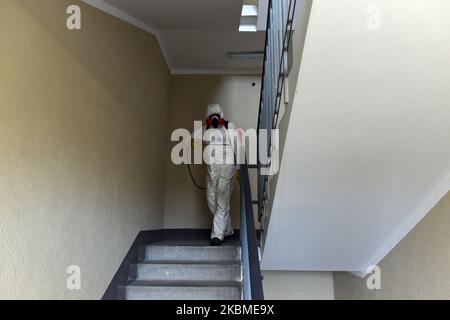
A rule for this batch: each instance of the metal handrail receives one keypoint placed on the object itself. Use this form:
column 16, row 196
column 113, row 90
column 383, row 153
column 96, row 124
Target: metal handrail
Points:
column 251, row 270
column 278, row 39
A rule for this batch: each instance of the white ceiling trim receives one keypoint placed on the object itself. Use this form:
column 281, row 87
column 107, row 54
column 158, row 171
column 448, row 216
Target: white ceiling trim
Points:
column 102, row 5
column 439, row 193
column 106, row 7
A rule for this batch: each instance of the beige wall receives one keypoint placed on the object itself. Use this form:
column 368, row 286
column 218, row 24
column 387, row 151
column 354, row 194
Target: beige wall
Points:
column 417, row 268
column 185, row 206
column 287, row 285
column 82, row 117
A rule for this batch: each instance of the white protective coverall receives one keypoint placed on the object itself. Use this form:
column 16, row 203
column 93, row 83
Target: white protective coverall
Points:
column 221, row 173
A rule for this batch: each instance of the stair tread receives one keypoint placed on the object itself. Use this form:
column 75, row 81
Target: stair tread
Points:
column 196, row 243
column 183, row 283
column 189, row 246
column 188, row 272
column 185, row 254
column 140, row 292
column 190, row 262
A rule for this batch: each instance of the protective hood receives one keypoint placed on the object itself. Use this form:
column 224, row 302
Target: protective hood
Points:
column 213, row 109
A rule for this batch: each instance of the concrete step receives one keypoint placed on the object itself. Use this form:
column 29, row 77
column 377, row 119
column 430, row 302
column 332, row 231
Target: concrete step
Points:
column 180, row 290
column 185, row 271
column 192, row 253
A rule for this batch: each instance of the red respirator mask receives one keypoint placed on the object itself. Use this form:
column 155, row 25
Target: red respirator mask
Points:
column 215, row 120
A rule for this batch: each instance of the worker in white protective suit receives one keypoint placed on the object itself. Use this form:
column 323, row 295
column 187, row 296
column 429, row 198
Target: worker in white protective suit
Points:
column 220, row 160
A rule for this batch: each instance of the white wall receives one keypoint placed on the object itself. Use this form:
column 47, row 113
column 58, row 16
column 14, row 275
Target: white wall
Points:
column 367, row 152
column 285, row 285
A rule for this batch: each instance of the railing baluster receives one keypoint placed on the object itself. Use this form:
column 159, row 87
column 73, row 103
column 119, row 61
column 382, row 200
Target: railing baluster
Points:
column 279, row 28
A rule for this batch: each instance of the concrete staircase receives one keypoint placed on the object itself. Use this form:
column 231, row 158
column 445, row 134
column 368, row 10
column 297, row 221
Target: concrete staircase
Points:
column 185, row 271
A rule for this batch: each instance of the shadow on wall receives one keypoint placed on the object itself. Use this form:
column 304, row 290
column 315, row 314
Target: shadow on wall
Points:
column 185, row 206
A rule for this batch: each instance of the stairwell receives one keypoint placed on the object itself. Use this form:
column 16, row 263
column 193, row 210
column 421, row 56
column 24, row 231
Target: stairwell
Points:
column 185, row 270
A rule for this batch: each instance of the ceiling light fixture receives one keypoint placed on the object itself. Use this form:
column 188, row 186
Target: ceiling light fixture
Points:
column 249, row 16
column 245, row 55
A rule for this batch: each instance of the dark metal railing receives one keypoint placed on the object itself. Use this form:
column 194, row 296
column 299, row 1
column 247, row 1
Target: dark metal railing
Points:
column 276, row 67
column 278, row 38
column 252, row 279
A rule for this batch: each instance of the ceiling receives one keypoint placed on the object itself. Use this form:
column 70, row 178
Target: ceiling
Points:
column 367, row 154
column 183, row 14
column 195, row 35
